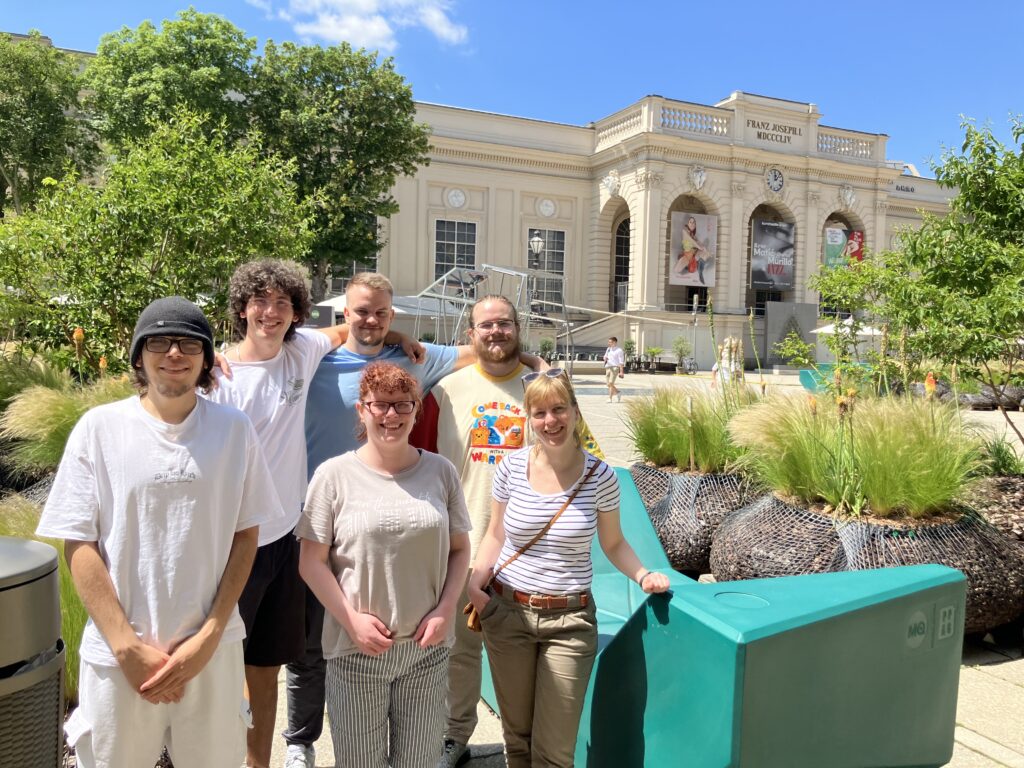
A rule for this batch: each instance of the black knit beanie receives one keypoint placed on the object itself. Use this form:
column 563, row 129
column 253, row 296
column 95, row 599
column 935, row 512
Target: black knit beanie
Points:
column 173, row 316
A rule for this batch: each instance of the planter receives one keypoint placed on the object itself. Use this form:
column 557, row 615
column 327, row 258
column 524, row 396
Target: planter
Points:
column 686, row 510
column 773, row 538
column 1000, row 500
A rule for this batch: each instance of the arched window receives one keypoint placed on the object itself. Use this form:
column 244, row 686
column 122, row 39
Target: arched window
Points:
column 620, row 274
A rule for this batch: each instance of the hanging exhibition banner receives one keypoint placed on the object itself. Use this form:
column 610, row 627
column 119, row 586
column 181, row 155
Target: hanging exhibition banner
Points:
column 843, row 246
column 693, row 243
column 772, row 255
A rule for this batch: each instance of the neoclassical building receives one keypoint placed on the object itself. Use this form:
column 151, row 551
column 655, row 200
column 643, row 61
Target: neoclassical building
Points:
column 652, row 211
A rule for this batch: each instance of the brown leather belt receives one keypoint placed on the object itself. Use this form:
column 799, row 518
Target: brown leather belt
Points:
column 543, row 602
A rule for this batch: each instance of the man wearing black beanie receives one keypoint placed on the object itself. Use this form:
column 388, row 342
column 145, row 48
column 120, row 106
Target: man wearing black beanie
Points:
column 159, row 548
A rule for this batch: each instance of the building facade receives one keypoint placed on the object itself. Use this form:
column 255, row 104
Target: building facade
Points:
column 653, row 211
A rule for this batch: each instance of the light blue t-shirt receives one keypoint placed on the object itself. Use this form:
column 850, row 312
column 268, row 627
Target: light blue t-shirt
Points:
column 334, row 391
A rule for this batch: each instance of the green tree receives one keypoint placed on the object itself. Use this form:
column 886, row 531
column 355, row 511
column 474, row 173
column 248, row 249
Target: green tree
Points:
column 140, row 76
column 178, row 212
column 350, row 125
column 41, row 128
column 954, row 290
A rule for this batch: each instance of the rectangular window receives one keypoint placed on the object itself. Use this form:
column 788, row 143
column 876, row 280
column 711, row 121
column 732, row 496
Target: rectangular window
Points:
column 454, row 246
column 761, row 299
column 546, row 292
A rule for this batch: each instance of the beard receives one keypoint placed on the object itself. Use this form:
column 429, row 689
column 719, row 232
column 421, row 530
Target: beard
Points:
column 498, row 351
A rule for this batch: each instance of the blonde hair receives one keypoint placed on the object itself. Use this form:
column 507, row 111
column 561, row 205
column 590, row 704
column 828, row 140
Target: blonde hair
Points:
column 375, row 281
column 544, row 390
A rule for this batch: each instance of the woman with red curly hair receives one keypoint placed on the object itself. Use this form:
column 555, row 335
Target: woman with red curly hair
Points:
column 384, row 546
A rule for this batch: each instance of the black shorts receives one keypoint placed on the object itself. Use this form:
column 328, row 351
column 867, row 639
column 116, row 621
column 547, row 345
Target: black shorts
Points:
column 273, row 606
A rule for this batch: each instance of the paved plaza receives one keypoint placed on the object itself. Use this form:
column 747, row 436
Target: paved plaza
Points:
column 990, row 710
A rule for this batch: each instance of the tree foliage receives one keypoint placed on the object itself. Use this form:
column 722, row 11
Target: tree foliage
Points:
column 176, row 214
column 41, row 128
column 350, row 125
column 347, row 121
column 140, row 76
column 954, row 290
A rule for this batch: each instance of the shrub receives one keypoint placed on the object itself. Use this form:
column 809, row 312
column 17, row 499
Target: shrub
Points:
column 19, row 518
column 886, row 456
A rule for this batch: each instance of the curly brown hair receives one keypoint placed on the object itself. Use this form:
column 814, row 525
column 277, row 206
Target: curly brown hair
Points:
column 388, row 378
column 255, row 278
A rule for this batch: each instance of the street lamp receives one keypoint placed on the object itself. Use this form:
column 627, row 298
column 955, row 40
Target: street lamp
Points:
column 536, row 244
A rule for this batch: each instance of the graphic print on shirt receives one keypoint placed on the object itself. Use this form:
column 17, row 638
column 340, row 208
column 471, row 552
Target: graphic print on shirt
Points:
column 496, row 428
column 389, row 517
column 292, row 391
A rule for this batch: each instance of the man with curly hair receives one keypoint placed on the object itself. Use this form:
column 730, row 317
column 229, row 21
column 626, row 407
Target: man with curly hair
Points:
column 270, row 372
column 159, row 548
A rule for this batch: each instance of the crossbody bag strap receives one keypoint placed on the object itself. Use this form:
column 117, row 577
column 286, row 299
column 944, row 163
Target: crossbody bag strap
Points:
column 547, row 525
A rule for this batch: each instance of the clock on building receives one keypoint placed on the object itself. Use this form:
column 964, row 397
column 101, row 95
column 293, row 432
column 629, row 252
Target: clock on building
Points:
column 456, row 198
column 774, row 179
column 546, row 208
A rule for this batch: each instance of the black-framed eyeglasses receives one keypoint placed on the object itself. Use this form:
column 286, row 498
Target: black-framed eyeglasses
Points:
column 500, row 325
column 163, row 344
column 381, row 407
column 551, row 373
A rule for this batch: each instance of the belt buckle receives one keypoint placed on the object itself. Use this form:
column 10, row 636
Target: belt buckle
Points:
column 538, row 601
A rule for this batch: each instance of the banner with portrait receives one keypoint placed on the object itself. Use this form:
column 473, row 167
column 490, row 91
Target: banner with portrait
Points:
column 693, row 245
column 772, row 256
column 843, row 246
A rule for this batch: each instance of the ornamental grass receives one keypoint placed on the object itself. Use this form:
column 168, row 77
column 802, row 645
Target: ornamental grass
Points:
column 38, row 420
column 883, row 456
column 19, row 518
column 686, row 427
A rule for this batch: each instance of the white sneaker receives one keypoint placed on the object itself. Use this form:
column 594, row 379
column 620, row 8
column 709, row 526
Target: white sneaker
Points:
column 455, row 754
column 300, row 756
column 609, row 398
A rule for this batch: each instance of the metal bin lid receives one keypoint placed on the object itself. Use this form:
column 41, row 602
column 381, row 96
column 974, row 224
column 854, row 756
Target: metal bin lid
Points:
column 22, row 561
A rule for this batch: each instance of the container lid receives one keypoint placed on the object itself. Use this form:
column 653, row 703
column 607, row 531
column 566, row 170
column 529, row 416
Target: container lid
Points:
column 22, row 561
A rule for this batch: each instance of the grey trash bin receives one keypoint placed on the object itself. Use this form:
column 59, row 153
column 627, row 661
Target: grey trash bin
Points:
column 31, row 656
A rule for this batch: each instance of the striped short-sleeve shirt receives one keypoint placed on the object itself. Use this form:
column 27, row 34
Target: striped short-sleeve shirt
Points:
column 560, row 562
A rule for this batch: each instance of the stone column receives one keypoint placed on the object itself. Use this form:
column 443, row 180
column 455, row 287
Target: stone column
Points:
column 649, row 234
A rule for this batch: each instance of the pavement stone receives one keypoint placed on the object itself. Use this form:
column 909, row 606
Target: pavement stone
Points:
column 990, row 705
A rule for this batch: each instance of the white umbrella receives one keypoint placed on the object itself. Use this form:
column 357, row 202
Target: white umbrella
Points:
column 864, row 330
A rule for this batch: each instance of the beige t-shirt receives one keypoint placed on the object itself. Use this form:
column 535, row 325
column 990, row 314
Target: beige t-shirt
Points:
column 389, row 539
column 480, row 421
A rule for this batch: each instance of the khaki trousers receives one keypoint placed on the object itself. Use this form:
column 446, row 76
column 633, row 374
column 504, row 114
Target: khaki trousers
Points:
column 463, row 678
column 541, row 662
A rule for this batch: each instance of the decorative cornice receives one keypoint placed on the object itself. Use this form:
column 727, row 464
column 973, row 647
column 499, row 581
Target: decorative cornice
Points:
column 577, row 170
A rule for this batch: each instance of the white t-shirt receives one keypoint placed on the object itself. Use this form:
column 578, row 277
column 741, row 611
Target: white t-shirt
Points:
column 560, row 562
column 164, row 502
column 272, row 393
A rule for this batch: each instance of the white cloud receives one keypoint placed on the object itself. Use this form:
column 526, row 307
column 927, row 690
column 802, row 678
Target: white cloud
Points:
column 263, row 5
column 371, row 32
column 371, row 23
column 444, row 29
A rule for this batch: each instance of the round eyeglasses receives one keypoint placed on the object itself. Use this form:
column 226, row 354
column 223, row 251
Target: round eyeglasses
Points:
column 381, row 407
column 163, row 344
column 498, row 325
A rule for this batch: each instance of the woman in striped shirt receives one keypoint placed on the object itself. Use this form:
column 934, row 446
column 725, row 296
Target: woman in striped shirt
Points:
column 538, row 616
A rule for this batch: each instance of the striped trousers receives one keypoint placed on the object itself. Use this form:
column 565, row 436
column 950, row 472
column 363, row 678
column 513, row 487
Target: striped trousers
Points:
column 388, row 710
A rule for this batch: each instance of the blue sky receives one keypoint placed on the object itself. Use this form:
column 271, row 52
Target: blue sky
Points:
column 907, row 68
